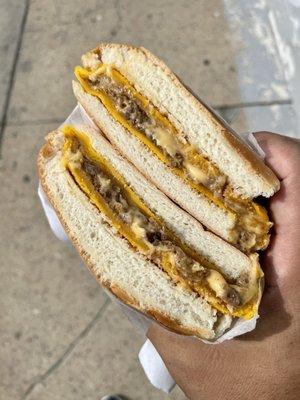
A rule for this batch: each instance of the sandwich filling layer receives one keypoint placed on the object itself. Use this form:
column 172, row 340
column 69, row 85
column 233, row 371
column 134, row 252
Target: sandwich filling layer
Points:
column 133, row 220
column 142, row 119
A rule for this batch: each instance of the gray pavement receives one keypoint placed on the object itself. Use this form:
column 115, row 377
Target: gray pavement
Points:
column 61, row 337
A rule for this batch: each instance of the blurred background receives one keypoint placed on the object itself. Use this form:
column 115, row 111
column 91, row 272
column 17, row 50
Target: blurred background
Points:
column 61, row 338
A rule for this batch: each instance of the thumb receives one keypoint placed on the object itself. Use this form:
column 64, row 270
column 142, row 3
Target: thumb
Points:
column 281, row 152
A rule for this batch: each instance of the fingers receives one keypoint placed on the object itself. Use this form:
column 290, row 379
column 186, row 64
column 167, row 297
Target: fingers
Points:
column 282, row 153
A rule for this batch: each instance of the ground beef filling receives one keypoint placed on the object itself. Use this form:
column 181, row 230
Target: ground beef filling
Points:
column 161, row 248
column 253, row 229
column 129, row 108
column 123, row 101
column 250, row 230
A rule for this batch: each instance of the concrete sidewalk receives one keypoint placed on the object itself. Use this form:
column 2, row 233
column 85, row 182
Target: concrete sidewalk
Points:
column 61, row 337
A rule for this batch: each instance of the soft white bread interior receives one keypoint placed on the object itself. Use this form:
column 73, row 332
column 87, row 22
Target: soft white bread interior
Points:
column 116, row 265
column 213, row 217
column 246, row 171
column 232, row 262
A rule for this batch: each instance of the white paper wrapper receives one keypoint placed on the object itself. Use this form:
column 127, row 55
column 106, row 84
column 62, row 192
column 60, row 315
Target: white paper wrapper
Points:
column 155, row 368
column 151, row 362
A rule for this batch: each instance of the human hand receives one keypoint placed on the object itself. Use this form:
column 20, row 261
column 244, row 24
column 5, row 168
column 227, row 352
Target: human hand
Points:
column 266, row 361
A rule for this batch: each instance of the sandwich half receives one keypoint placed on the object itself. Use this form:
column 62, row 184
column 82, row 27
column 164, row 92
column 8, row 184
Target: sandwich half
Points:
column 139, row 244
column 177, row 142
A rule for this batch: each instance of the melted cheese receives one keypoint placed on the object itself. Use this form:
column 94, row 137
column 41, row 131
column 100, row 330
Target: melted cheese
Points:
column 195, row 172
column 254, row 276
column 200, row 288
column 217, row 283
column 252, row 216
column 165, row 139
column 137, row 228
column 135, row 233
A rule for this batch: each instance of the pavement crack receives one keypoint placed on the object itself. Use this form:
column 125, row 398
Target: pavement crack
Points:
column 41, row 378
column 12, row 75
column 118, row 26
column 43, row 121
column 252, row 104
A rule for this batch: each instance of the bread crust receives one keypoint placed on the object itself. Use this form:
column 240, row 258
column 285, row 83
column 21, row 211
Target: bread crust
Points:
column 48, row 151
column 169, row 323
column 254, row 163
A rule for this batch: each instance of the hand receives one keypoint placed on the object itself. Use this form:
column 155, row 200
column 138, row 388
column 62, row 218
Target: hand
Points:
column 265, row 363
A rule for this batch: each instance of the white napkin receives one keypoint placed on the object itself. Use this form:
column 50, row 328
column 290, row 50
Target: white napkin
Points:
column 155, row 368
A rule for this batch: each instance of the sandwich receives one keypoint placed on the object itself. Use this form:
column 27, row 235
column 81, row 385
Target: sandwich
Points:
column 177, row 142
column 139, row 244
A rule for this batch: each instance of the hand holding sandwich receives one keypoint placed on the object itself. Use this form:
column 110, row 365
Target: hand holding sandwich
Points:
column 262, row 363
column 116, row 189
